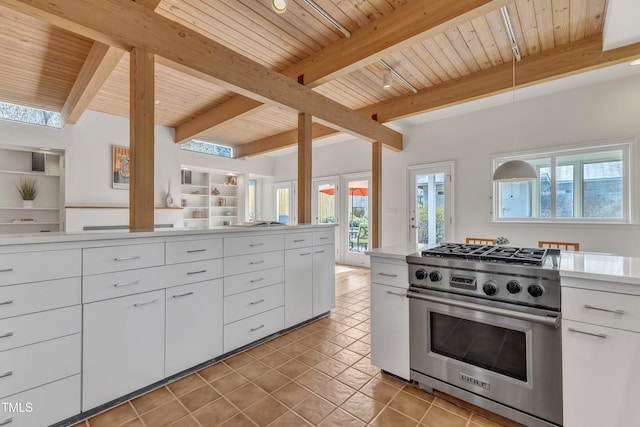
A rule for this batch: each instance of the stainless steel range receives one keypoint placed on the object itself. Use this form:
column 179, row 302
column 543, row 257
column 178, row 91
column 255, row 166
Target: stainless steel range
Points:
column 484, row 327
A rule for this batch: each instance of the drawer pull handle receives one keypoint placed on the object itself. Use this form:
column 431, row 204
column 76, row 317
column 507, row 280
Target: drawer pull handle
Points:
column 256, row 280
column 7, row 302
column 324, row 238
column 255, row 262
column 388, row 275
column 253, row 245
column 306, row 253
column 6, row 374
column 6, row 270
column 255, row 329
column 299, row 240
column 127, row 258
column 7, row 421
column 196, row 272
column 183, row 295
column 256, row 302
column 320, row 252
column 397, row 294
column 590, row 307
column 7, row 335
column 117, row 285
column 587, row 333
column 193, row 251
column 140, row 304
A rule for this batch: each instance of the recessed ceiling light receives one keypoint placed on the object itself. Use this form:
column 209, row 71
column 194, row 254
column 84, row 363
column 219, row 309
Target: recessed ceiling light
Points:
column 636, row 62
column 157, row 101
column 279, row 6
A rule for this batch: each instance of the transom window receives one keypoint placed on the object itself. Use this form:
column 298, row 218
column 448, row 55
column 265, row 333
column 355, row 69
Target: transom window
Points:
column 590, row 184
column 208, row 148
column 18, row 113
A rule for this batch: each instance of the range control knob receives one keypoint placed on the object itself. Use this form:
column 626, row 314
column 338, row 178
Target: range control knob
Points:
column 535, row 291
column 421, row 274
column 490, row 288
column 513, row 287
column 435, row 276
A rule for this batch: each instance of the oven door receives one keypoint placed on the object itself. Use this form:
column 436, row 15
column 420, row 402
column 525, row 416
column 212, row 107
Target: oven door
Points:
column 486, row 348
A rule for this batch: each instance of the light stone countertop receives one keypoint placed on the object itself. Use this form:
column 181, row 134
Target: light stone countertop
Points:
column 62, row 237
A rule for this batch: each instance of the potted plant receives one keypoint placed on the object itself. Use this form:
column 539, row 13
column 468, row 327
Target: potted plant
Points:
column 28, row 189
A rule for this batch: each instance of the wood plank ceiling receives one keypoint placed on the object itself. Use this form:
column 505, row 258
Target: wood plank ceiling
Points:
column 39, row 63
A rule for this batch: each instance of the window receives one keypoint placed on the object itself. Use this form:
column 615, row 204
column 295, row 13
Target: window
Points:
column 589, row 184
column 208, row 148
column 33, row 116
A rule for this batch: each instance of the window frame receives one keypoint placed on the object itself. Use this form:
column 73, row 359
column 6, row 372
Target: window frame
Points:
column 629, row 211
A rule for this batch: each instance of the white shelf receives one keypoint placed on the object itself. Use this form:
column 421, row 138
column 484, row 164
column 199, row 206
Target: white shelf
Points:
column 197, row 219
column 195, row 207
column 29, row 173
column 189, row 194
column 29, row 223
column 29, row 209
column 224, row 216
column 225, row 197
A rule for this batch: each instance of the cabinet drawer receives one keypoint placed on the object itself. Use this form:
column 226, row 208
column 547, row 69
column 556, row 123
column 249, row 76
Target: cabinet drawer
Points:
column 255, row 262
column 252, row 244
column 198, row 271
column 602, row 308
column 249, row 281
column 390, row 274
column 119, row 258
column 248, row 330
column 247, row 304
column 193, row 250
column 298, row 240
column 39, row 296
column 33, row 328
column 37, row 266
column 49, row 404
column 33, row 365
column 326, row 237
column 121, row 283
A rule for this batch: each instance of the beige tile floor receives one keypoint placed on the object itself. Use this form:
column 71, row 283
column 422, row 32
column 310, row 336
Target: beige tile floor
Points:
column 319, row 374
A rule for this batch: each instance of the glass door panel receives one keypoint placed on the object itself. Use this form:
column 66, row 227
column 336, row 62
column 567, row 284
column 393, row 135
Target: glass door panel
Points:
column 430, row 204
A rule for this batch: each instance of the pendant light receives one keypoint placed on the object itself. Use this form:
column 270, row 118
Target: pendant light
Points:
column 387, row 81
column 514, row 170
column 279, row 6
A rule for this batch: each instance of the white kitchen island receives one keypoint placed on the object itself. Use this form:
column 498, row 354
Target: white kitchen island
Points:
column 90, row 319
column 600, row 332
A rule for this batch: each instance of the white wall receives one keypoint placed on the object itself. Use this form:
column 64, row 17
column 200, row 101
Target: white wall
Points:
column 603, row 112
column 88, row 157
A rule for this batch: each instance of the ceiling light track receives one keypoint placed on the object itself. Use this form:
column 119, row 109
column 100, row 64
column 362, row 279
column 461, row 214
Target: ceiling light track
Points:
column 398, row 76
column 511, row 33
column 328, row 17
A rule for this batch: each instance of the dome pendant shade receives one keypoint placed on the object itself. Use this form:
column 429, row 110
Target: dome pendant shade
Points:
column 279, row 6
column 515, row 170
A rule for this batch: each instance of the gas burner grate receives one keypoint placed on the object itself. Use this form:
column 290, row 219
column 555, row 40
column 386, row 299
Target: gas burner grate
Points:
column 506, row 254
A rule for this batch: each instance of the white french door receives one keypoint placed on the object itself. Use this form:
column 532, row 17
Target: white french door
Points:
column 325, row 205
column 354, row 227
column 431, row 203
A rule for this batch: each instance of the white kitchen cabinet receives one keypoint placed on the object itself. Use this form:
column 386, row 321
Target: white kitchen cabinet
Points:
column 600, row 354
column 324, row 279
column 193, row 324
column 390, row 316
column 123, row 346
column 298, row 285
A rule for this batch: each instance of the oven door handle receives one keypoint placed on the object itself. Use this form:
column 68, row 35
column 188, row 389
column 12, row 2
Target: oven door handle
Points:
column 553, row 322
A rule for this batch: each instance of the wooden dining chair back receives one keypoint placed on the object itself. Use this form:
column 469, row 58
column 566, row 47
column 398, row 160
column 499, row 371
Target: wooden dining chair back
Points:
column 480, row 241
column 567, row 246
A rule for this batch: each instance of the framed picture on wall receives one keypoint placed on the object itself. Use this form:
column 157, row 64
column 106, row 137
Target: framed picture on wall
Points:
column 121, row 161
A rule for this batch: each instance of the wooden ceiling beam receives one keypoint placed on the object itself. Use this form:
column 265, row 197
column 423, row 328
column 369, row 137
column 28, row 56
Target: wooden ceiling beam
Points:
column 98, row 66
column 128, row 25
column 574, row 58
column 403, row 27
